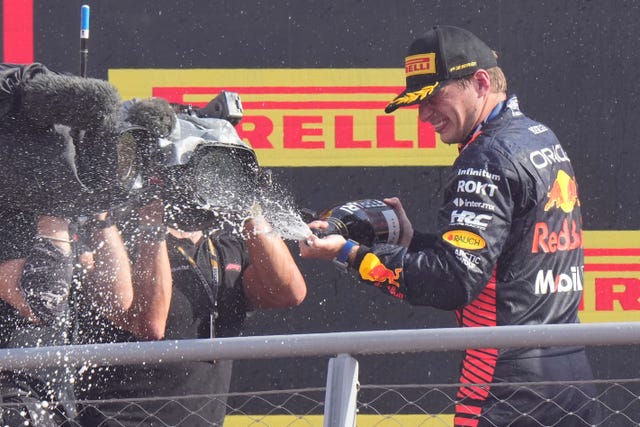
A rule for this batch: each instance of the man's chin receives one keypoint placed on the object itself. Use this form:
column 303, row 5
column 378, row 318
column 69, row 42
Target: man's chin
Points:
column 447, row 139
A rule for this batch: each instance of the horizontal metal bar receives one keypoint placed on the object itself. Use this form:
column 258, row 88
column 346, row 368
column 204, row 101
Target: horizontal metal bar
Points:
column 307, row 345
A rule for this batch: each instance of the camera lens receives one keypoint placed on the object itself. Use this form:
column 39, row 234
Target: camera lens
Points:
column 225, row 178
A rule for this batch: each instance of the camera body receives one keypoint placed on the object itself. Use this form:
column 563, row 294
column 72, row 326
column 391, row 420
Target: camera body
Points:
column 201, row 168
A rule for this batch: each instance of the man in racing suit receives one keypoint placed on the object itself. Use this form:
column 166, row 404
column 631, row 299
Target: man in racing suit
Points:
column 508, row 248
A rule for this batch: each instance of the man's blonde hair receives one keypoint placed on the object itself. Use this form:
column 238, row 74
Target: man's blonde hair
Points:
column 497, row 79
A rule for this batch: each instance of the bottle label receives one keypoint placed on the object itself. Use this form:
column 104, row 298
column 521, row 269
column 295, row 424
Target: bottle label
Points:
column 393, row 224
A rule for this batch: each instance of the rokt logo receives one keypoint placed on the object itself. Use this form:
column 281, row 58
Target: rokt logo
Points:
column 476, row 187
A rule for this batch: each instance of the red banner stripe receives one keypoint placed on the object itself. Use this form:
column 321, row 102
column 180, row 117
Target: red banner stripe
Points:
column 287, row 89
column 17, row 33
column 611, row 267
column 612, row 251
column 314, row 105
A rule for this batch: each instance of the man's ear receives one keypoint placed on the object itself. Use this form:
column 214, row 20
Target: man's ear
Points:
column 482, row 82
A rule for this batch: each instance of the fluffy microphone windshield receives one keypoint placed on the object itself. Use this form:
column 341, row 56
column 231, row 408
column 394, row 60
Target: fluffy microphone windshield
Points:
column 154, row 114
column 78, row 102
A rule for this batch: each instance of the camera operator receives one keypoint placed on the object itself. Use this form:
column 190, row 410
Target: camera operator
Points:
column 35, row 282
column 217, row 276
column 55, row 134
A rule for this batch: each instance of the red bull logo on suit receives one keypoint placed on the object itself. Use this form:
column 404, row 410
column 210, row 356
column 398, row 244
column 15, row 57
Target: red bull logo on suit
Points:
column 373, row 270
column 563, row 193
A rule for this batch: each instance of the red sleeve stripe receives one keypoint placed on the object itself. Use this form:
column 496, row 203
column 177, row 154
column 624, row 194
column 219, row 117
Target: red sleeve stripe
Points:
column 473, row 392
column 468, row 409
column 481, row 369
column 476, row 376
column 476, row 319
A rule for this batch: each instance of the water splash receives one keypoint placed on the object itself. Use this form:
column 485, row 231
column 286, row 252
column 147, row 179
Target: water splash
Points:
column 232, row 204
column 288, row 225
column 280, row 211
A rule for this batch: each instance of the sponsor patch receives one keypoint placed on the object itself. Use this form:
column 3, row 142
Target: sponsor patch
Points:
column 468, row 260
column 563, row 193
column 474, row 204
column 548, row 282
column 548, row 156
column 372, row 269
column 479, row 172
column 476, row 187
column 538, row 129
column 424, row 63
column 464, row 239
column 232, row 267
column 546, row 240
column 470, row 219
column 463, row 66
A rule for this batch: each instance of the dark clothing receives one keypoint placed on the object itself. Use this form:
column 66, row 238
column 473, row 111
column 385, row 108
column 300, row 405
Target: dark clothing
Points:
column 190, row 316
column 562, row 400
column 508, row 247
column 17, row 231
column 46, row 282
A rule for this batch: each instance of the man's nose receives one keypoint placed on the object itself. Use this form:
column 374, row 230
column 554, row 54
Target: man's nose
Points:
column 425, row 111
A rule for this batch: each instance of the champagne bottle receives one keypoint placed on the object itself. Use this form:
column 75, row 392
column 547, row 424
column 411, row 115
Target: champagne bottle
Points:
column 366, row 221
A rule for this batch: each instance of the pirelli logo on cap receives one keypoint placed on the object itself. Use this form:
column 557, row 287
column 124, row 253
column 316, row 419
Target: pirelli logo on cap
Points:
column 424, row 63
column 464, row 239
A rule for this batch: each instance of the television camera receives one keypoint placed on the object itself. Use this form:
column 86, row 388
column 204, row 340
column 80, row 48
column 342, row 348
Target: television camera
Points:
column 71, row 148
column 192, row 158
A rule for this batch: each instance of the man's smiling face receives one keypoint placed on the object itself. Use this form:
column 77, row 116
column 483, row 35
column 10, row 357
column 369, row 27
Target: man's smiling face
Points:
column 453, row 111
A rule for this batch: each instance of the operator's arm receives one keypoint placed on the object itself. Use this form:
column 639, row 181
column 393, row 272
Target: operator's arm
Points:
column 10, row 290
column 48, row 270
column 109, row 273
column 273, row 279
column 35, row 272
column 152, row 280
column 136, row 298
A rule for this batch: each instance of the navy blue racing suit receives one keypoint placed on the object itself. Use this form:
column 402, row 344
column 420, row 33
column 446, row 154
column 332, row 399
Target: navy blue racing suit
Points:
column 508, row 251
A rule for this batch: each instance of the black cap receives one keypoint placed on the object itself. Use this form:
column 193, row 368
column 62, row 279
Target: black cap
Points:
column 443, row 53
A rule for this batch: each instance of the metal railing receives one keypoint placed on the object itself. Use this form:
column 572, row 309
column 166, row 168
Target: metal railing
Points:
column 341, row 402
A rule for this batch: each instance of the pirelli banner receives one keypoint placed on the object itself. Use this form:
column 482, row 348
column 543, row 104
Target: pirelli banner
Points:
column 306, row 117
column 335, row 118
column 611, row 276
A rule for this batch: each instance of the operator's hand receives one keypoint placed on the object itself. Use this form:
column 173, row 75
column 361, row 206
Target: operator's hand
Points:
column 322, row 248
column 255, row 223
column 405, row 224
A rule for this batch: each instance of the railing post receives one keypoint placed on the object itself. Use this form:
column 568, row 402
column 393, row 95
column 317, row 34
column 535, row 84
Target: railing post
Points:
column 342, row 389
